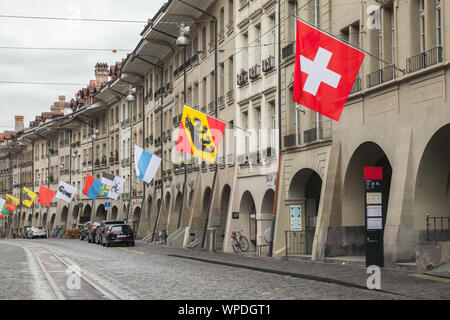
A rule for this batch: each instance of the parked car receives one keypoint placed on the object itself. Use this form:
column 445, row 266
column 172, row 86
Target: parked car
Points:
column 102, row 229
column 84, row 230
column 25, row 232
column 92, row 238
column 118, row 234
column 37, row 232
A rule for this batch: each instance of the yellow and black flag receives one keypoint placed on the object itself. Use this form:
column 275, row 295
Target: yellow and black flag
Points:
column 200, row 134
column 28, row 197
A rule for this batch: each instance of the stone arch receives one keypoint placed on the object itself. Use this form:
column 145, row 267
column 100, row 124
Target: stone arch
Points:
column 368, row 154
column 176, row 212
column 86, row 215
column 100, row 214
column 44, row 219
column 304, row 191
column 164, row 214
column 75, row 213
column 64, row 216
column 114, row 212
column 52, row 222
column 36, row 219
column 221, row 222
column 124, row 211
column 136, row 218
column 432, row 188
column 247, row 217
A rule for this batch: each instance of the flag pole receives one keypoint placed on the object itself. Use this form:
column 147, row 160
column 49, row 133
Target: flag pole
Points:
column 351, row 45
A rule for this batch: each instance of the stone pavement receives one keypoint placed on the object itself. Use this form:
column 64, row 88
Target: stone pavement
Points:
column 401, row 282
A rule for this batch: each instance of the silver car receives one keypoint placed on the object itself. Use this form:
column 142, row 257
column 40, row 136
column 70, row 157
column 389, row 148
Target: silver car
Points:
column 37, row 232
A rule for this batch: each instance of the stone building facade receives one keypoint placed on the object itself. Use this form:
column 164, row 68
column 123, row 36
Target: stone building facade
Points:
column 396, row 117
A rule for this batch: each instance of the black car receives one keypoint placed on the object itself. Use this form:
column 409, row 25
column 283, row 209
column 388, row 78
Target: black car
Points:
column 118, row 234
column 85, row 230
column 102, row 229
column 92, row 232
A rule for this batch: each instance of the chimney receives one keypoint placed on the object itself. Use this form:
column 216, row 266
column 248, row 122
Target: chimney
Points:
column 101, row 74
column 62, row 99
column 19, row 123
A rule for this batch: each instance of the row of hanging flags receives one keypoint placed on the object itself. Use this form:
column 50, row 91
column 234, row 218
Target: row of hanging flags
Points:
column 325, row 71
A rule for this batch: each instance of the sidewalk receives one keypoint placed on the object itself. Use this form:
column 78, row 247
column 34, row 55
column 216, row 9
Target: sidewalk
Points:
column 400, row 282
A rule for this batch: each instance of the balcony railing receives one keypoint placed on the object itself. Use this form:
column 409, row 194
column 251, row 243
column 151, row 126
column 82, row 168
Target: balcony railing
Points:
column 254, row 71
column 221, row 101
column 290, row 140
column 380, row 76
column 230, row 95
column 288, row 50
column 356, row 86
column 242, row 78
column 423, row 60
column 311, row 135
column 268, row 63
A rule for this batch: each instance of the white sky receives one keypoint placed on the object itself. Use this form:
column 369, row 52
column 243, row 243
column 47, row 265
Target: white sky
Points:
column 61, row 66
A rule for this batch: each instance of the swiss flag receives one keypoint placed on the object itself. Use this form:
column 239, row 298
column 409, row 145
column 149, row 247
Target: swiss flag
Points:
column 325, row 70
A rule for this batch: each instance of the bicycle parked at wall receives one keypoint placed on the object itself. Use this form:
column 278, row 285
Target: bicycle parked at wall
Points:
column 239, row 242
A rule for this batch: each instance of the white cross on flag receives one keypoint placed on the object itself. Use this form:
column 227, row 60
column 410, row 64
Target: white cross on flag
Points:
column 325, row 70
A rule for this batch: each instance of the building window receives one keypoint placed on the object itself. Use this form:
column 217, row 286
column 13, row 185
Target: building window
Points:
column 438, row 24
column 422, row 24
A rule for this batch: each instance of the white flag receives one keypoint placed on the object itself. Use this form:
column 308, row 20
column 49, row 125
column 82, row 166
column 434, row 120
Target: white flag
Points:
column 65, row 191
column 146, row 164
column 116, row 188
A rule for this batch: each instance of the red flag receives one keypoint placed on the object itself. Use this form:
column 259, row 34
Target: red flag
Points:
column 325, row 70
column 46, row 196
column 87, row 185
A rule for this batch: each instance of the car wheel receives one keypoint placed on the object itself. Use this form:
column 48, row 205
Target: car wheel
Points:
column 89, row 240
column 132, row 244
column 105, row 244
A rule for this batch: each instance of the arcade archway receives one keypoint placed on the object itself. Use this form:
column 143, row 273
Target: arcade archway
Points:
column 247, row 218
column 368, row 154
column 86, row 215
column 304, row 191
column 100, row 214
column 432, row 190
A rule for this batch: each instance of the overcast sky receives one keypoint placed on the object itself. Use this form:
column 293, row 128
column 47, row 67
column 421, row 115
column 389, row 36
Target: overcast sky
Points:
column 61, row 66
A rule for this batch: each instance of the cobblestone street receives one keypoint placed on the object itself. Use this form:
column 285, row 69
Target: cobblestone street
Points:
column 158, row 272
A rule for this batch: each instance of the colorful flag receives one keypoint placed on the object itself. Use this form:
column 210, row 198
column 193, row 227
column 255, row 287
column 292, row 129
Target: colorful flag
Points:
column 28, row 197
column 65, row 192
column 3, row 209
column 116, row 188
column 92, row 187
column 46, row 196
column 200, row 134
column 146, row 164
column 11, row 203
column 325, row 71
column 107, row 182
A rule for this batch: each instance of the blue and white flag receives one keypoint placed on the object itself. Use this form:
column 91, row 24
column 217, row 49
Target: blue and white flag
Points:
column 146, row 164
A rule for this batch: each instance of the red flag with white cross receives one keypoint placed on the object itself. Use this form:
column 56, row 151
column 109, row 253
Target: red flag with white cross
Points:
column 325, row 71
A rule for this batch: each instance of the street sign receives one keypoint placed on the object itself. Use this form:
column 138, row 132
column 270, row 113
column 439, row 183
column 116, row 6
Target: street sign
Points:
column 373, row 178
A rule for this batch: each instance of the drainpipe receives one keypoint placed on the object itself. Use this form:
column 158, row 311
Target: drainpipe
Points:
column 277, row 181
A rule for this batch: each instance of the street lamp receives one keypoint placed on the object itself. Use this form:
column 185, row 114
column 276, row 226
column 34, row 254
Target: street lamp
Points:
column 183, row 40
column 130, row 99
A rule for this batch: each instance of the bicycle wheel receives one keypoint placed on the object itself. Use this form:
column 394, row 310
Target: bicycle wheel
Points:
column 243, row 243
column 235, row 246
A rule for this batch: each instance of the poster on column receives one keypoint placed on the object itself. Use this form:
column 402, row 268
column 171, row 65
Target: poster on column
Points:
column 296, row 218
